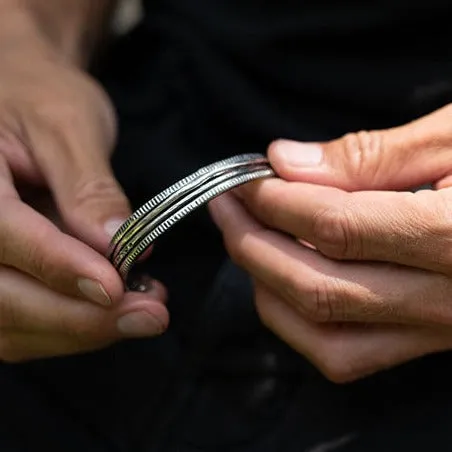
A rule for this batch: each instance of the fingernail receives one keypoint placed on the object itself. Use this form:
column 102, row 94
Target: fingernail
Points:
column 294, row 153
column 111, row 226
column 94, row 291
column 139, row 324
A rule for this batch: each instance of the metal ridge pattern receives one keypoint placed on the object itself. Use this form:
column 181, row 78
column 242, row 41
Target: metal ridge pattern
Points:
column 174, row 203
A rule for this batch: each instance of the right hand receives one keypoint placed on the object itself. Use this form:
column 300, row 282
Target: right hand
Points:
column 58, row 293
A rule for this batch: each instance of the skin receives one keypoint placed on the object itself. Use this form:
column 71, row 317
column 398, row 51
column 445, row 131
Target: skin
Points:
column 350, row 268
column 60, row 201
column 350, row 272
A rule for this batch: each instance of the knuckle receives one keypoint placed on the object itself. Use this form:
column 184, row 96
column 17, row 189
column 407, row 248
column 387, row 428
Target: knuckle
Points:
column 57, row 113
column 83, row 329
column 336, row 364
column 97, row 191
column 9, row 317
column 61, row 111
column 23, row 247
column 32, row 256
column 336, row 233
column 435, row 208
column 362, row 151
column 34, row 261
column 338, row 371
column 236, row 250
column 315, row 299
column 79, row 332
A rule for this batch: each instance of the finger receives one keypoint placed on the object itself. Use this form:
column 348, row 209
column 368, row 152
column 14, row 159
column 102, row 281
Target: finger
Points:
column 328, row 291
column 30, row 243
column 28, row 306
column 12, row 149
column 400, row 227
column 23, row 346
column 346, row 352
column 72, row 153
column 398, row 158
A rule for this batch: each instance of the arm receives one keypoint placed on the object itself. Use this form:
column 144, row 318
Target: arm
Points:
column 73, row 27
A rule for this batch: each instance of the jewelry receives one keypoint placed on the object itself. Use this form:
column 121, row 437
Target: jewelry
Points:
column 173, row 204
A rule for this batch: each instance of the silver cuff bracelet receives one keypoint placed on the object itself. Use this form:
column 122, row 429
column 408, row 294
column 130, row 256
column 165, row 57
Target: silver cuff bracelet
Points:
column 170, row 206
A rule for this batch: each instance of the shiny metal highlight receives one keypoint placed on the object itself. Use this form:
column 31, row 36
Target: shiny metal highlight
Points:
column 173, row 204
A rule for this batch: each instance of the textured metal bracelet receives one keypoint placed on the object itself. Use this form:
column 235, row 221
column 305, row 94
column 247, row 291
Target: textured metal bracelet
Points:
column 170, row 206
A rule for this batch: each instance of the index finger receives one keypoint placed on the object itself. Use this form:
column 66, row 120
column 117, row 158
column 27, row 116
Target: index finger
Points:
column 406, row 228
column 31, row 243
column 328, row 291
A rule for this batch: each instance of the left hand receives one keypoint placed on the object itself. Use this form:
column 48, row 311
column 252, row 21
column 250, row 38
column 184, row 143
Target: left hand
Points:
column 373, row 287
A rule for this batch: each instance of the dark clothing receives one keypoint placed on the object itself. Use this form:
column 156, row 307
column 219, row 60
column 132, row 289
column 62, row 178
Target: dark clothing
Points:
column 194, row 82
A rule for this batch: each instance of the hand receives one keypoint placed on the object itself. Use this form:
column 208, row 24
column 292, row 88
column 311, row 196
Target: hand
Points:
column 354, row 276
column 58, row 293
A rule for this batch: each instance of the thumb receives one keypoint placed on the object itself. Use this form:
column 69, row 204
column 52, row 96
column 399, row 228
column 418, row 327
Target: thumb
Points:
column 74, row 161
column 393, row 159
